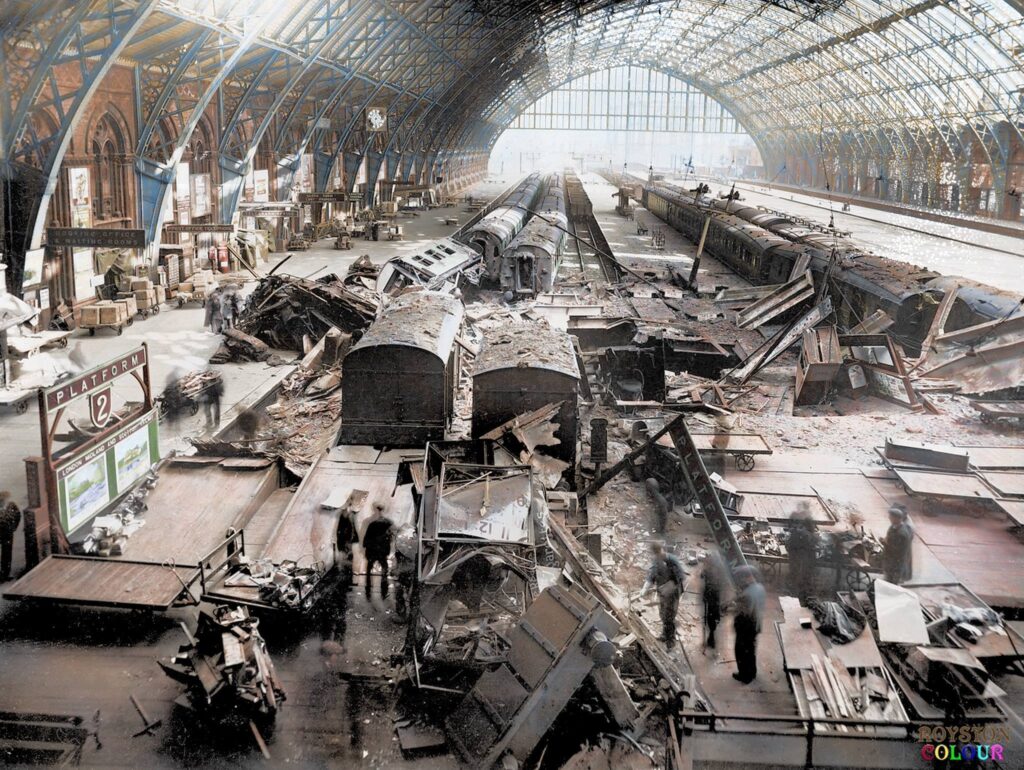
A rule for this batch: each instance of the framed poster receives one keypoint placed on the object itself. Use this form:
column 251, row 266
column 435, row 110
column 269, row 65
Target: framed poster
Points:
column 261, row 185
column 132, row 457
column 306, row 173
column 85, row 269
column 34, row 266
column 81, row 197
column 200, row 195
column 182, row 189
column 87, row 491
column 249, row 190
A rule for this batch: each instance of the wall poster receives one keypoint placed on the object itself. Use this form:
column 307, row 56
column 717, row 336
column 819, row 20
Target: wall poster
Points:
column 261, row 185
column 200, row 195
column 81, row 197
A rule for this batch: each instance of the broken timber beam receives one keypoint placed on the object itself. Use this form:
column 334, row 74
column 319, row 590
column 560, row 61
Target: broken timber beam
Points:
column 593, row 578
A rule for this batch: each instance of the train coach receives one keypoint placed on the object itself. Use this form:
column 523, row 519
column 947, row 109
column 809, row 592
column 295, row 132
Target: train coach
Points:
column 764, row 248
column 530, row 263
column 493, row 234
column 400, row 378
column 523, row 367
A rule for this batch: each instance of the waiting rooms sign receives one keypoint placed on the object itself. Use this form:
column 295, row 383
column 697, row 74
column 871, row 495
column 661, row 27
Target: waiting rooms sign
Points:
column 87, row 484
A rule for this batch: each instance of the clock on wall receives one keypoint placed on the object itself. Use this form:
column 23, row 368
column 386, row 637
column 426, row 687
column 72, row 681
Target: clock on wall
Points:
column 376, row 119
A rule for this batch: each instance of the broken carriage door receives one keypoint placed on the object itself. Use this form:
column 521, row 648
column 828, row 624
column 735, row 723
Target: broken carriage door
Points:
column 703, row 490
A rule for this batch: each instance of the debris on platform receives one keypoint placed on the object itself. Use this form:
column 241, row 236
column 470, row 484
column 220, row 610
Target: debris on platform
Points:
column 281, row 585
column 283, row 310
column 362, row 273
column 226, row 667
column 238, row 347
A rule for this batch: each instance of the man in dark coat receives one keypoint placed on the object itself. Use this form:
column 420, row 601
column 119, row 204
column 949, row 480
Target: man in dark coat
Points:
column 897, row 552
column 747, row 623
column 715, row 579
column 377, row 539
column 667, row 576
column 10, row 519
column 662, row 507
column 802, row 547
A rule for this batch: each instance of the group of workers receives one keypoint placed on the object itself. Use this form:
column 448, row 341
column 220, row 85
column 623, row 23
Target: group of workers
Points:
column 379, row 539
column 667, row 578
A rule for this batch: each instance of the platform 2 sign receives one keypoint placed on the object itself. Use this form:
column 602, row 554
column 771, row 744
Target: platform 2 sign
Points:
column 94, row 380
column 95, row 237
column 88, row 483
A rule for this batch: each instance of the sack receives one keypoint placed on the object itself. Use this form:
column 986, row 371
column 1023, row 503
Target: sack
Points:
column 836, row 624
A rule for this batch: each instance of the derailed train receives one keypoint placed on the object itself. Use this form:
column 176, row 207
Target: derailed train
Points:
column 494, row 233
column 529, row 265
column 763, row 247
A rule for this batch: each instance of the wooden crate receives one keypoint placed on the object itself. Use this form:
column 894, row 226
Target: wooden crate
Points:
column 105, row 313
column 161, row 294
column 146, row 298
column 130, row 305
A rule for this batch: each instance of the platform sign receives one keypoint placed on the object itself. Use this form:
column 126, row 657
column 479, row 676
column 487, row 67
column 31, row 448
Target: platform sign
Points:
column 327, row 197
column 83, row 476
column 95, row 379
column 99, row 407
column 88, row 483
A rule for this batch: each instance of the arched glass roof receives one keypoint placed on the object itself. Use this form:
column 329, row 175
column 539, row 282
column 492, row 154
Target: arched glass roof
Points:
column 913, row 79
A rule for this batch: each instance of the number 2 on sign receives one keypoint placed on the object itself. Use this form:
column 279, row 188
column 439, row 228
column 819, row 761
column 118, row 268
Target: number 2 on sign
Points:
column 99, row 408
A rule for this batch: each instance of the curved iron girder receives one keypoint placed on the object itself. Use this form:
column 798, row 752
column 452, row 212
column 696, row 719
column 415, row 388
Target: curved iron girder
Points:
column 235, row 168
column 155, row 163
column 406, row 63
column 325, row 163
column 91, row 40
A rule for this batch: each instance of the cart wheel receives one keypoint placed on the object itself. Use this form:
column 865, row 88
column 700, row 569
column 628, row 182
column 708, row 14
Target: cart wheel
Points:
column 22, row 407
column 131, row 321
column 181, row 302
column 92, row 332
column 857, row 580
column 194, row 407
column 745, row 462
column 156, row 309
column 63, row 342
column 120, row 330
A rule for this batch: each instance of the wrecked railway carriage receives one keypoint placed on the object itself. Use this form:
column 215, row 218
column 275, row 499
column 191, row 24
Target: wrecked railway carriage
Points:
column 522, row 368
column 400, row 378
column 768, row 248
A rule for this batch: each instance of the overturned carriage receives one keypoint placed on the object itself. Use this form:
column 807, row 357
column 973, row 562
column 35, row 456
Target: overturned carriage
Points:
column 400, row 378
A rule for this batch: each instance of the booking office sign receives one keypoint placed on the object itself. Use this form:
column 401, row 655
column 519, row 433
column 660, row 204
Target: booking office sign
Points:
column 88, row 470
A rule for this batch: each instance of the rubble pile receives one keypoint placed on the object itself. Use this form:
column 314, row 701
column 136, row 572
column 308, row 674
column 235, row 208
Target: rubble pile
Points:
column 362, row 273
column 226, row 666
column 238, row 347
column 283, row 311
column 280, row 585
column 110, row 534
